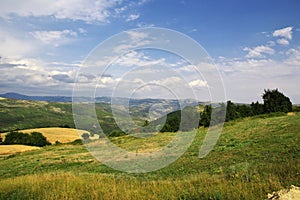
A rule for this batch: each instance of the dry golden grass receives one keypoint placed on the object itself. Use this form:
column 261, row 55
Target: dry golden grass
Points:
column 16, row 148
column 291, row 114
column 98, row 186
column 53, row 134
column 62, row 135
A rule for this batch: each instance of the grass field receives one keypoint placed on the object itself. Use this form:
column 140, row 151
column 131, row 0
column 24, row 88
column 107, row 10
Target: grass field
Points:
column 253, row 157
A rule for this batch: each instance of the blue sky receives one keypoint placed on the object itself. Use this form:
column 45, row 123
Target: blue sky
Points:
column 254, row 44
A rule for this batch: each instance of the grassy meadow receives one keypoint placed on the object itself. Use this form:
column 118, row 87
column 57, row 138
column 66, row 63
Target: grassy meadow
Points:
column 253, row 157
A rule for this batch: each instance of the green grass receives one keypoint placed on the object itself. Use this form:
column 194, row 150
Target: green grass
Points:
column 253, row 157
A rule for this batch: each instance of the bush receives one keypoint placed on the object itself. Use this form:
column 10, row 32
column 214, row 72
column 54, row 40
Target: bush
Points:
column 32, row 139
column 85, row 136
column 116, row 133
column 296, row 108
column 58, row 142
column 76, row 142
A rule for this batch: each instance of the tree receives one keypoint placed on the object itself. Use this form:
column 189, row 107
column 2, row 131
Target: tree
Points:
column 205, row 116
column 146, row 123
column 231, row 112
column 171, row 123
column 32, row 139
column 275, row 101
column 37, row 139
column 243, row 110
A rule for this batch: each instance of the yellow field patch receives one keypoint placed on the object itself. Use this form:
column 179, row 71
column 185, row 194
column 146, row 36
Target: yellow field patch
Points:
column 15, row 148
column 62, row 135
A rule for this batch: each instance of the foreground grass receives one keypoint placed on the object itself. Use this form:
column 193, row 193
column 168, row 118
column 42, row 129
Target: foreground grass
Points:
column 95, row 186
column 253, row 157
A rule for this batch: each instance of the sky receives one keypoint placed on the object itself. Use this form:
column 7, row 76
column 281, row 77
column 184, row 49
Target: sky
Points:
column 253, row 45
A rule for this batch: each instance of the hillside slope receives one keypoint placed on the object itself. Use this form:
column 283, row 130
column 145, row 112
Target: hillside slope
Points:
column 253, row 157
column 25, row 114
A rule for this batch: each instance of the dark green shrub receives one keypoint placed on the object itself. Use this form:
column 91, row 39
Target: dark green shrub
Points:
column 32, row 139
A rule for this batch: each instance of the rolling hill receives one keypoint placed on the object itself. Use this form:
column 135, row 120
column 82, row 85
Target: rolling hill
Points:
column 253, row 157
column 26, row 114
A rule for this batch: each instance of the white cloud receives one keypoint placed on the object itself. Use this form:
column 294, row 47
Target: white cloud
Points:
column 32, row 75
column 132, row 17
column 173, row 80
column 54, row 37
column 293, row 57
column 137, row 35
column 12, row 45
column 198, row 83
column 135, row 39
column 134, row 58
column 259, row 51
column 85, row 10
column 82, row 30
column 283, row 41
column 245, row 80
column 187, row 68
column 271, row 43
column 285, row 33
column 144, row 25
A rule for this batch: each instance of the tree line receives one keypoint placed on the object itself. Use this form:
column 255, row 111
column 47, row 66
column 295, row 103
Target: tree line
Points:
column 273, row 101
column 32, row 139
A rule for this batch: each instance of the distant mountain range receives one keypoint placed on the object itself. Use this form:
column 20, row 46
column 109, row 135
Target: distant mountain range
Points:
column 12, row 95
column 137, row 107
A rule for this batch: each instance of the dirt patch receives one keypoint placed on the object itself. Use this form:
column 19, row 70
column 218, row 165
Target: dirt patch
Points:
column 286, row 194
